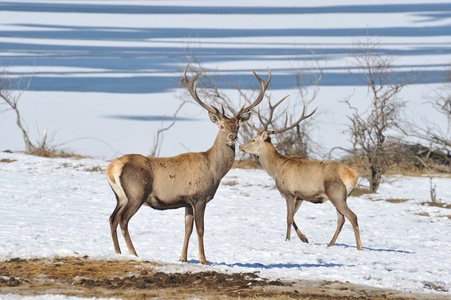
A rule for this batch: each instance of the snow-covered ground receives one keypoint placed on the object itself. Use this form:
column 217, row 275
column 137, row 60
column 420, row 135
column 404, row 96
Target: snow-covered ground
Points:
column 105, row 73
column 60, row 207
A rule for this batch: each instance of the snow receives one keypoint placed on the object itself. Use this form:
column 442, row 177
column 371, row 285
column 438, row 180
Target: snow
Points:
column 60, row 207
column 105, row 73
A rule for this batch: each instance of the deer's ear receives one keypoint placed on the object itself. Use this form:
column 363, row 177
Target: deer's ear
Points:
column 243, row 119
column 214, row 117
column 265, row 136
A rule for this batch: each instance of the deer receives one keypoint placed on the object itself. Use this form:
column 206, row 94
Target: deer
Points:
column 300, row 179
column 188, row 180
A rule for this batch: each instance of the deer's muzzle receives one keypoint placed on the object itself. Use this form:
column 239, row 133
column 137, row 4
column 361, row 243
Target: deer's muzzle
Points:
column 232, row 137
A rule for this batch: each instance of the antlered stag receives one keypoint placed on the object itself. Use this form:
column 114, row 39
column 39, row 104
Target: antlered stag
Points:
column 299, row 179
column 188, row 180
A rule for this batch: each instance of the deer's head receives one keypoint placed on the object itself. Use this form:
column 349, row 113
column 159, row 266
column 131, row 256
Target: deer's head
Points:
column 257, row 144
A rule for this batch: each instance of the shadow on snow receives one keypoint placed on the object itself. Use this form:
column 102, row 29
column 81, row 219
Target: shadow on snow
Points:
column 128, row 69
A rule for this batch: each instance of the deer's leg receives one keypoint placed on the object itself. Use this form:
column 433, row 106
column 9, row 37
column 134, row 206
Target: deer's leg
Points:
column 114, row 220
column 290, row 215
column 129, row 211
column 353, row 219
column 336, row 191
column 340, row 222
column 189, row 219
column 298, row 232
column 199, row 212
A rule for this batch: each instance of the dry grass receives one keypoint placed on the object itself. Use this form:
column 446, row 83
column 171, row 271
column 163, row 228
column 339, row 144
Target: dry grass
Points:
column 230, row 183
column 358, row 191
column 422, row 214
column 437, row 204
column 435, row 287
column 403, row 168
column 95, row 169
column 7, row 160
column 57, row 154
column 246, row 164
column 68, row 268
column 82, row 277
column 396, row 200
column 418, row 172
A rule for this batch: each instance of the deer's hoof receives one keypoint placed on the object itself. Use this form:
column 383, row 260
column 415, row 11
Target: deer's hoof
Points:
column 303, row 238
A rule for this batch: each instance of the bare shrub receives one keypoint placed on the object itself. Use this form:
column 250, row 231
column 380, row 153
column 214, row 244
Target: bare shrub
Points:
column 11, row 91
column 377, row 133
column 436, row 138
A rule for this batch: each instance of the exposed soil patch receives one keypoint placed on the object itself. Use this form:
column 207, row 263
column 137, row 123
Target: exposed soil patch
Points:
column 359, row 191
column 437, row 204
column 76, row 276
column 7, row 160
column 396, row 200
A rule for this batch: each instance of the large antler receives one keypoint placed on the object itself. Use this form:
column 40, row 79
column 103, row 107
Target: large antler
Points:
column 264, row 86
column 190, row 84
column 271, row 114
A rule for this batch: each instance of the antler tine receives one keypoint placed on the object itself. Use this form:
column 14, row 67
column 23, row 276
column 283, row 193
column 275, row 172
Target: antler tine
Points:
column 284, row 125
column 303, row 117
column 259, row 130
column 271, row 114
column 272, row 108
column 277, row 104
column 260, row 117
column 264, row 86
column 222, row 108
column 190, row 84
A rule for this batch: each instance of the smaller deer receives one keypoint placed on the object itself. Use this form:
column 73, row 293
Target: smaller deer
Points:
column 299, row 179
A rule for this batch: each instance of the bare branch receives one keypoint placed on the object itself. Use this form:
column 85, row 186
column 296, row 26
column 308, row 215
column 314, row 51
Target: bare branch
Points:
column 158, row 140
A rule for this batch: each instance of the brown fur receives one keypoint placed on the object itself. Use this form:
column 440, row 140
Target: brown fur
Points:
column 299, row 179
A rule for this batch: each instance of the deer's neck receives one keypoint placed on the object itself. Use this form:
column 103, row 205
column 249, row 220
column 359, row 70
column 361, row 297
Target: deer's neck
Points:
column 221, row 156
column 271, row 160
